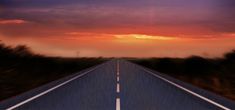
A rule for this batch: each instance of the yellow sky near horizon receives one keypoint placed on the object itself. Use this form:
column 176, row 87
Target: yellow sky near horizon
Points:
column 126, row 45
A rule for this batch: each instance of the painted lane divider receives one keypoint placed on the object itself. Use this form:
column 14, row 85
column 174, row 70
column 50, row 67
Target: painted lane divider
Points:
column 188, row 91
column 118, row 103
column 118, row 88
column 49, row 90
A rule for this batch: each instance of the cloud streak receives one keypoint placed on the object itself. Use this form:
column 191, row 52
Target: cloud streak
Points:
column 158, row 17
column 12, row 21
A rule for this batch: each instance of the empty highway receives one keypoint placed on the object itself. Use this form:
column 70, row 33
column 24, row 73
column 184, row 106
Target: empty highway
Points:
column 117, row 85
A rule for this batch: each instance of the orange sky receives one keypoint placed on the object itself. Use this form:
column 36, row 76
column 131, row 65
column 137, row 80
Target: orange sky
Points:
column 123, row 28
column 128, row 45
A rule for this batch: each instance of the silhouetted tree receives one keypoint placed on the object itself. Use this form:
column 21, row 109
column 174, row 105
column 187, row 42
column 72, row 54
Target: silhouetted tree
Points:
column 230, row 56
column 22, row 51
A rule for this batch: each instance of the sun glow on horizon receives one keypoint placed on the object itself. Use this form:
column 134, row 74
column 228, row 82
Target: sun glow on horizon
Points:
column 129, row 45
column 145, row 37
column 104, row 36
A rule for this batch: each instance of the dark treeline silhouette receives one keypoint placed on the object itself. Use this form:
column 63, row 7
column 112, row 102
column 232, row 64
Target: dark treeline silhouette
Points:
column 22, row 70
column 217, row 75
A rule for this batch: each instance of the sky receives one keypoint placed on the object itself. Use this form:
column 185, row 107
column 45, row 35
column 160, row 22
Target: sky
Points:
column 120, row 28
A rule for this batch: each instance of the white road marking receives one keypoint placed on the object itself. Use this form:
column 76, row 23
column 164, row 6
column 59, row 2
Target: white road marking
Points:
column 118, row 67
column 118, row 87
column 118, row 105
column 49, row 90
column 189, row 91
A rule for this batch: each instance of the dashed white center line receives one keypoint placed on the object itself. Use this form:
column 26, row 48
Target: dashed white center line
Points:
column 117, row 67
column 118, row 106
column 118, row 87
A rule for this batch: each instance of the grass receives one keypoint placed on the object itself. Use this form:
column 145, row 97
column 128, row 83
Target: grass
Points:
column 22, row 70
column 216, row 75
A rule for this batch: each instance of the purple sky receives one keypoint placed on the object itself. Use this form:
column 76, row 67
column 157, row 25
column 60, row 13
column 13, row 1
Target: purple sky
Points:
column 59, row 18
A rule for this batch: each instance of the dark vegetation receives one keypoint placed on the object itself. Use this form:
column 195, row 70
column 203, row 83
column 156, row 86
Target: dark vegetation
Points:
column 217, row 75
column 22, row 70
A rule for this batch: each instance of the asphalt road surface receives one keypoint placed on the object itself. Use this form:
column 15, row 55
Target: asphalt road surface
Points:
column 117, row 85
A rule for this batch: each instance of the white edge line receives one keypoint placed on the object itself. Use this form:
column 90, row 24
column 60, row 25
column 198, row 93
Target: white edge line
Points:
column 49, row 90
column 189, row 91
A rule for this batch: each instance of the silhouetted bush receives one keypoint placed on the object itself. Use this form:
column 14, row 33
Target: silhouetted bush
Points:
column 22, row 50
column 230, row 56
column 22, row 70
column 216, row 74
column 197, row 66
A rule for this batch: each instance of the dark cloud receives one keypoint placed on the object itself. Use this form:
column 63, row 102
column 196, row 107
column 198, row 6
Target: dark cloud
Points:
column 211, row 15
column 129, row 3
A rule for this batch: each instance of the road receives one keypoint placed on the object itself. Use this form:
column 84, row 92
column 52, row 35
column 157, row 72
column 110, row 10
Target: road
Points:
column 117, row 85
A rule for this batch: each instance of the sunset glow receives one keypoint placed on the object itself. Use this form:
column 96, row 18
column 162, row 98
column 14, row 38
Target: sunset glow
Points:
column 159, row 28
column 144, row 37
